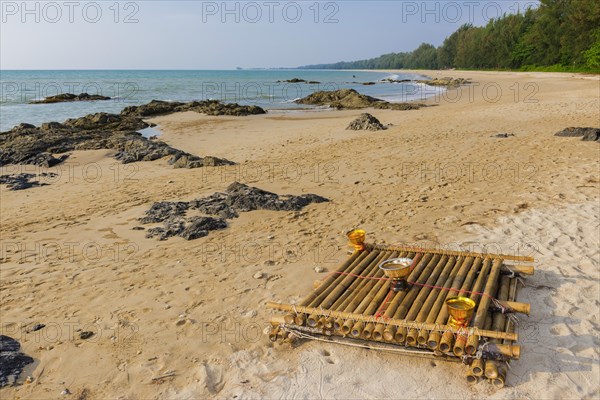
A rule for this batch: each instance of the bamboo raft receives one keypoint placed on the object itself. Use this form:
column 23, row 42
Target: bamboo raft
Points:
column 357, row 305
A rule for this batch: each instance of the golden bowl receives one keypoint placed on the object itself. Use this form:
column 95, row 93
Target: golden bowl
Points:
column 396, row 268
column 357, row 239
column 460, row 309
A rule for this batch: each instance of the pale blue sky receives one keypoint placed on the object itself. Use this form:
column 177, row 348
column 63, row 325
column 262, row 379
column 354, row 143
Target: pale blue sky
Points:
column 202, row 35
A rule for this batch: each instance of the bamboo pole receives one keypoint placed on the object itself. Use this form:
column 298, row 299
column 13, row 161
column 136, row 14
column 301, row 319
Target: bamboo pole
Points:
column 350, row 263
column 447, row 341
column 512, row 294
column 408, row 298
column 500, row 380
column 450, row 252
column 442, row 316
column 372, row 301
column 477, row 367
column 330, row 285
column 389, row 331
column 356, row 287
column 481, row 279
column 430, row 338
column 348, row 307
column 498, row 323
column 507, row 307
column 358, row 300
column 517, row 270
column 478, row 364
column 402, row 310
column 421, row 263
column 393, row 322
column 358, row 284
column 426, row 313
column 461, row 339
column 346, row 281
column 490, row 288
column 417, row 311
column 482, row 309
column 491, row 369
column 476, row 289
column 471, row 378
column 499, row 320
column 504, row 351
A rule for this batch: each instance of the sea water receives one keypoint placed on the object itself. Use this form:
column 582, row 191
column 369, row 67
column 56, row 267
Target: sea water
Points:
column 265, row 88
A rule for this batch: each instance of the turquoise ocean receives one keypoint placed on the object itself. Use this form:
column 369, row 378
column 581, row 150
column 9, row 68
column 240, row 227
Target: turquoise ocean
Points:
column 265, row 88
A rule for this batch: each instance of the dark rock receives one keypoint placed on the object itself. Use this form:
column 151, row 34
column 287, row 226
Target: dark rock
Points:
column 298, row 80
column 215, row 162
column 237, row 198
column 399, row 106
column 43, row 159
column 155, row 107
column 86, row 335
column 390, row 80
column 68, row 97
column 340, row 99
column 503, row 135
column 215, row 204
column 350, row 99
column 447, row 82
column 246, row 198
column 189, row 161
column 164, row 210
column 28, row 144
column 36, row 327
column 24, row 181
column 366, row 122
column 48, row 126
column 293, row 80
column 137, row 148
column 12, row 361
column 586, row 134
column 368, row 83
column 23, row 127
column 173, row 226
column 105, row 121
column 215, row 107
column 138, row 228
column 198, row 227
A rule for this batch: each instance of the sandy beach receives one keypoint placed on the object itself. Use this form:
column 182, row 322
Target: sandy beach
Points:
column 181, row 319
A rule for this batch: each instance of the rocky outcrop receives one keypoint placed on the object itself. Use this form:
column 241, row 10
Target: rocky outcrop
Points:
column 586, row 134
column 340, row 99
column 68, row 97
column 447, row 82
column 350, row 99
column 399, row 106
column 209, row 107
column 12, row 361
column 298, row 80
column 213, row 211
column 155, row 107
column 366, row 122
column 101, row 121
column 28, row 144
column 25, row 180
column 214, row 107
column 390, row 80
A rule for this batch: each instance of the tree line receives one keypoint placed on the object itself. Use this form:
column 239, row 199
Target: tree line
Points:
column 557, row 35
